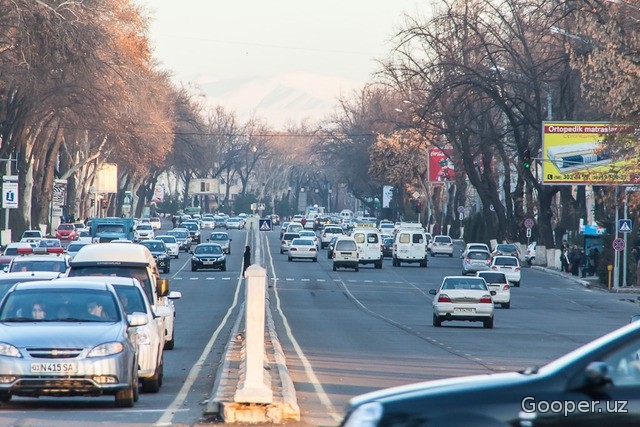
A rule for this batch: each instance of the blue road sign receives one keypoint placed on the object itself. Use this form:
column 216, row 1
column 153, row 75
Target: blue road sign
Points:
column 264, row 224
column 624, row 225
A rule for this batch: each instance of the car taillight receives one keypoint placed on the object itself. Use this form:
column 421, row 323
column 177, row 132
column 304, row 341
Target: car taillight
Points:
column 444, row 298
column 486, row 299
column 517, row 268
column 505, row 288
column 293, row 249
column 312, row 250
column 324, row 235
column 493, row 267
column 467, row 260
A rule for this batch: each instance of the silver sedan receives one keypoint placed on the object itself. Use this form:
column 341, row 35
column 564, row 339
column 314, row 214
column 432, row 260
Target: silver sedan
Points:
column 63, row 338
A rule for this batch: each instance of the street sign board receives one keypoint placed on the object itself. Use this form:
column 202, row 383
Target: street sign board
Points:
column 261, row 206
column 128, row 198
column 528, row 223
column 461, row 209
column 528, row 232
column 461, row 216
column 264, row 224
column 9, row 194
column 618, row 244
column 624, row 225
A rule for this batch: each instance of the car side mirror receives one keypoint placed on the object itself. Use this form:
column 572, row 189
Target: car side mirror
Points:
column 432, row 292
column 191, row 252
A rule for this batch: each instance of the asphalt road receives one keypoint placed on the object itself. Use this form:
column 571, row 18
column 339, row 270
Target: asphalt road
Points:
column 343, row 333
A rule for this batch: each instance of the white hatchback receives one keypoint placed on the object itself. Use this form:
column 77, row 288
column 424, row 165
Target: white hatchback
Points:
column 442, row 244
column 171, row 243
column 497, row 281
column 509, row 265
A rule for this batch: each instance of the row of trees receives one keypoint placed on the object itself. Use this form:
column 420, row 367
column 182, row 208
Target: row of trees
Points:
column 79, row 87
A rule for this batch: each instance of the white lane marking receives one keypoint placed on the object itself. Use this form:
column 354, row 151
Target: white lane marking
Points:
column 167, row 417
column 304, row 280
column 317, row 386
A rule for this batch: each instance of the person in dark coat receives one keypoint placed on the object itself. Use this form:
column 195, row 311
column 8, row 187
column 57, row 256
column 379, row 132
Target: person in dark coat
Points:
column 246, row 259
column 575, row 260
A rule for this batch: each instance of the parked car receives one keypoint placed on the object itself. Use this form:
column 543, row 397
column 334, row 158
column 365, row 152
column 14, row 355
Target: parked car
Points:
column 509, row 265
column 303, row 248
column 208, row 255
column 463, row 298
column 578, row 389
column 41, row 355
column 530, row 254
column 497, row 281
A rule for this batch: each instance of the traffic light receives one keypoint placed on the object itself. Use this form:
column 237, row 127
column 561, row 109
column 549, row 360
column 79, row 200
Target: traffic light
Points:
column 93, row 202
column 418, row 207
column 526, row 159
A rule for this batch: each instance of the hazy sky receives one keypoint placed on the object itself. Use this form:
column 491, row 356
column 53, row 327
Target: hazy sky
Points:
column 210, row 40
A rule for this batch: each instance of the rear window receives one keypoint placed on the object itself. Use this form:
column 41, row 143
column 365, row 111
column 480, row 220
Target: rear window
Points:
column 511, row 261
column 333, row 230
column 418, row 238
column 478, row 255
column 442, row 239
column 404, row 238
column 494, row 277
column 305, row 242
column 506, row 248
column 372, row 238
column 345, row 245
column 290, row 236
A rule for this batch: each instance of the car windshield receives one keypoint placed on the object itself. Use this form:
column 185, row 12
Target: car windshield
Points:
column 208, row 249
column 66, row 227
column 179, row 234
column 154, row 246
column 508, row 261
column 59, row 304
column 478, row 255
column 302, row 242
column 144, row 227
column 219, row 236
column 167, row 239
column 32, row 265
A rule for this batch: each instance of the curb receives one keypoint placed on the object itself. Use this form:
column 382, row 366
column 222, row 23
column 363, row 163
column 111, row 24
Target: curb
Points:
column 587, row 283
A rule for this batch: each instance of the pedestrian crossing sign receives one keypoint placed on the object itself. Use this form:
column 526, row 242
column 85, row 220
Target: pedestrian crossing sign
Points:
column 264, row 225
column 624, row 225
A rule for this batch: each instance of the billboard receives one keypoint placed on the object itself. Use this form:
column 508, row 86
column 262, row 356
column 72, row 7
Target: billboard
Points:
column 578, row 153
column 441, row 168
column 204, row 186
column 106, row 180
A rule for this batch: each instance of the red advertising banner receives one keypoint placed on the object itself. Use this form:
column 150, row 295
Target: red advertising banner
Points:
column 441, row 168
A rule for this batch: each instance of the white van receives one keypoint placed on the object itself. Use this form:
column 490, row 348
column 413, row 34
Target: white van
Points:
column 410, row 246
column 346, row 215
column 130, row 260
column 369, row 245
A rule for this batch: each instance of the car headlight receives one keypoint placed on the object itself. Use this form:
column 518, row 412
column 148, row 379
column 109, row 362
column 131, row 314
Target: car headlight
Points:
column 162, row 256
column 106, row 349
column 197, row 233
column 9, row 350
column 195, row 258
column 365, row 415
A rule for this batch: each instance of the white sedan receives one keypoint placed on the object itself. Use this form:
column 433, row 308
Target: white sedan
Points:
column 171, row 243
column 308, row 234
column 303, row 247
column 463, row 298
column 497, row 281
column 509, row 265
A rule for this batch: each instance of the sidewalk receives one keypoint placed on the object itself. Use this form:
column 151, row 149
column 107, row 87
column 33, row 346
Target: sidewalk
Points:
column 591, row 282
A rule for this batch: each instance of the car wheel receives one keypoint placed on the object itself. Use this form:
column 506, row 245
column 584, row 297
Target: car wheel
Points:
column 281, row 251
column 126, row 398
column 315, row 260
column 488, row 324
column 378, row 264
column 166, row 269
column 433, row 254
column 5, row 397
column 193, row 268
column 289, row 258
column 423, row 263
column 506, row 305
column 357, row 268
column 450, row 255
column 335, row 268
column 224, row 267
column 152, row 385
column 436, row 321
column 171, row 343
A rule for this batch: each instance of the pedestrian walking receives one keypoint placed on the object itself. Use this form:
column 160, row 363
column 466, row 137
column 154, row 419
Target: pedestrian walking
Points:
column 584, row 263
column 246, row 259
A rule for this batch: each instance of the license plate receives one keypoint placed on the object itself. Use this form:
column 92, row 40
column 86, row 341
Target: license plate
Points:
column 207, row 262
column 53, row 367
column 464, row 310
